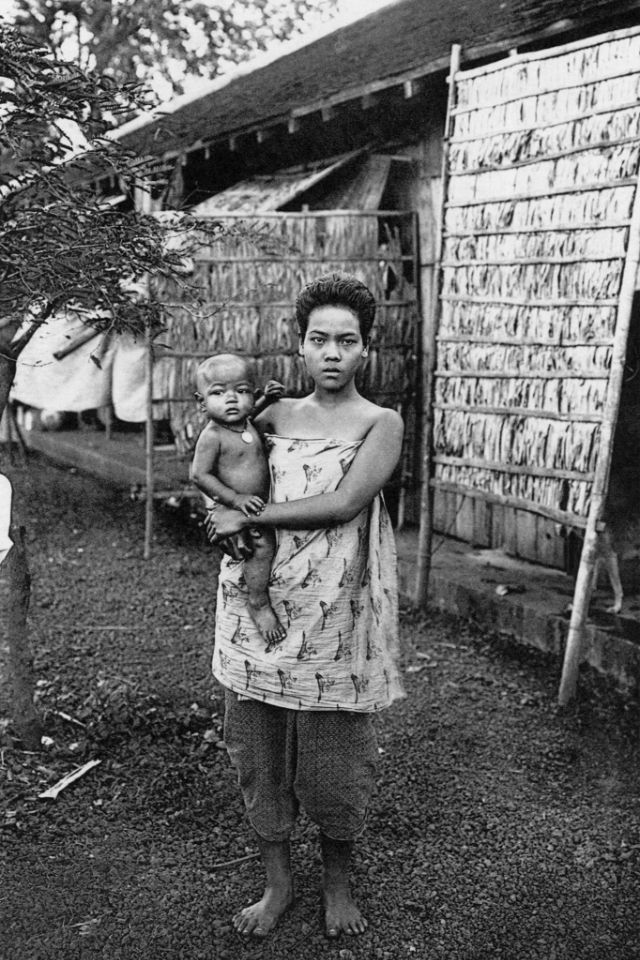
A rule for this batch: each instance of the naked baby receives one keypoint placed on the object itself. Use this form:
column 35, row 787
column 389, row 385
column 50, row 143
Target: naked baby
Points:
column 230, row 467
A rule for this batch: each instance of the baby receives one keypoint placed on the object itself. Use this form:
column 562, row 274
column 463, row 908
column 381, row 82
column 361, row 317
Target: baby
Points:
column 230, row 467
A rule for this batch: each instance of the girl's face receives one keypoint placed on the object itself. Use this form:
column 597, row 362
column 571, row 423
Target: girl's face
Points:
column 333, row 348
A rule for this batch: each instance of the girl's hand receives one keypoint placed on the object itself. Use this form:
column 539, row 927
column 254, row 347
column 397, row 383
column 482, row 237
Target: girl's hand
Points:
column 223, row 522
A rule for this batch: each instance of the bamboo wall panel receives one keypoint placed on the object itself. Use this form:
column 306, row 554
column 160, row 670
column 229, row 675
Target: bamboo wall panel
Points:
column 247, row 285
column 541, row 179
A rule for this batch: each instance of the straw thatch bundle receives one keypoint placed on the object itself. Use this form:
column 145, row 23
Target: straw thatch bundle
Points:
column 535, row 235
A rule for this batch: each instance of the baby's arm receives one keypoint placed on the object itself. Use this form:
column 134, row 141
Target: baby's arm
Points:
column 272, row 392
column 203, row 474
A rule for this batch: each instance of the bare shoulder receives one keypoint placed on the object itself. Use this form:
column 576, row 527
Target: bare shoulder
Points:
column 384, row 418
column 277, row 416
column 209, row 438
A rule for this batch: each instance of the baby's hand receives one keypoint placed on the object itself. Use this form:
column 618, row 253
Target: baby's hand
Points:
column 274, row 389
column 249, row 504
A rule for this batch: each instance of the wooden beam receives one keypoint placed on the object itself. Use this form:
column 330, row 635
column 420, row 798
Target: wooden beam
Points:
column 293, row 124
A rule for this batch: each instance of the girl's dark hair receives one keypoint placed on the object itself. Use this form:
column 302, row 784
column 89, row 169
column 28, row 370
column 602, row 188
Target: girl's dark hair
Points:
column 340, row 290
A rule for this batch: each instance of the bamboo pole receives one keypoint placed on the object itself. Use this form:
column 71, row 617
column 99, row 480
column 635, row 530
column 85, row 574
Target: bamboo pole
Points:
column 584, row 580
column 528, row 470
column 537, row 55
column 586, row 225
column 149, row 431
column 594, row 186
column 551, row 513
column 537, row 92
column 425, row 531
column 521, row 342
column 544, row 158
column 567, row 120
column 530, row 302
column 580, row 417
column 470, row 373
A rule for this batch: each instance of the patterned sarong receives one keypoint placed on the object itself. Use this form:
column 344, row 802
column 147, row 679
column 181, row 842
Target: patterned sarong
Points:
column 335, row 590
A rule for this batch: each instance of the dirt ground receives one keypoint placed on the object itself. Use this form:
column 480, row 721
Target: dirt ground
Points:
column 502, row 827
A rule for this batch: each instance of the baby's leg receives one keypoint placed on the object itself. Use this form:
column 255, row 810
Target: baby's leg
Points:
column 257, row 570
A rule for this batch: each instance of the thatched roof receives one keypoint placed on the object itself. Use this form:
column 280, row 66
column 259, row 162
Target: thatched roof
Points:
column 408, row 37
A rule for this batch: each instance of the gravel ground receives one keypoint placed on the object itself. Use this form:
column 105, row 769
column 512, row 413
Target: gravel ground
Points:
column 502, row 826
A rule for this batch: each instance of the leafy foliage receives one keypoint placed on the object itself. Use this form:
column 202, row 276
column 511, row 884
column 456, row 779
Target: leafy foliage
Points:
column 61, row 244
column 141, row 39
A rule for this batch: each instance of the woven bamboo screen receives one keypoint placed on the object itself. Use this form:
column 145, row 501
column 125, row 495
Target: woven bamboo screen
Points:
column 540, row 181
column 249, row 282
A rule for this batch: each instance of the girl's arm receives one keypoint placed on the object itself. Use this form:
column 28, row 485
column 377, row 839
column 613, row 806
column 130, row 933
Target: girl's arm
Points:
column 371, row 469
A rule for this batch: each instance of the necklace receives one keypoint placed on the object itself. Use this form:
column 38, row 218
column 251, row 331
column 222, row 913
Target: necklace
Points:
column 245, row 433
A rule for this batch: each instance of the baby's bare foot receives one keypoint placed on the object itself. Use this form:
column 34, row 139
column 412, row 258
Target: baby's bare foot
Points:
column 260, row 918
column 341, row 914
column 266, row 621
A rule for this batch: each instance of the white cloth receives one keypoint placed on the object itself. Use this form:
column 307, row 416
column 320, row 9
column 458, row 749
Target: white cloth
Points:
column 76, row 382
column 5, row 516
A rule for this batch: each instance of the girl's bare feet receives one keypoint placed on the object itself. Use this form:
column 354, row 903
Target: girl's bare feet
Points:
column 341, row 912
column 260, row 918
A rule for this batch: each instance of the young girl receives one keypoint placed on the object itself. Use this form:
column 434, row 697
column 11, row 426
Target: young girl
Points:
column 298, row 713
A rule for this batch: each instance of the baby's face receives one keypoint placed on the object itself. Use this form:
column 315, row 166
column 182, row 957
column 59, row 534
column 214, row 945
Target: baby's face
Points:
column 227, row 391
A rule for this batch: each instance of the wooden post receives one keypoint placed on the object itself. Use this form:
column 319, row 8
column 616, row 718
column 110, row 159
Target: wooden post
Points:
column 17, row 589
column 584, row 580
column 149, row 431
column 423, row 557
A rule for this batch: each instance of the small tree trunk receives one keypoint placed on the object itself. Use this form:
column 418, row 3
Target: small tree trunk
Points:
column 17, row 591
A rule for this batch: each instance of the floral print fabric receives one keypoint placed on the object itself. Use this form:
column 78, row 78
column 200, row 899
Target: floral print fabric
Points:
column 334, row 590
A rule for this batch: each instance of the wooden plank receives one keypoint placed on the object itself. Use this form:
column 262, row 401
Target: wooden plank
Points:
column 550, row 544
column 510, row 531
column 481, row 533
column 365, row 190
column 439, row 510
column 526, row 535
column 497, row 526
column 464, row 518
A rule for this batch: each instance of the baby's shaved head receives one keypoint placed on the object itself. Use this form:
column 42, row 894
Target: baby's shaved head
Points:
column 223, row 367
